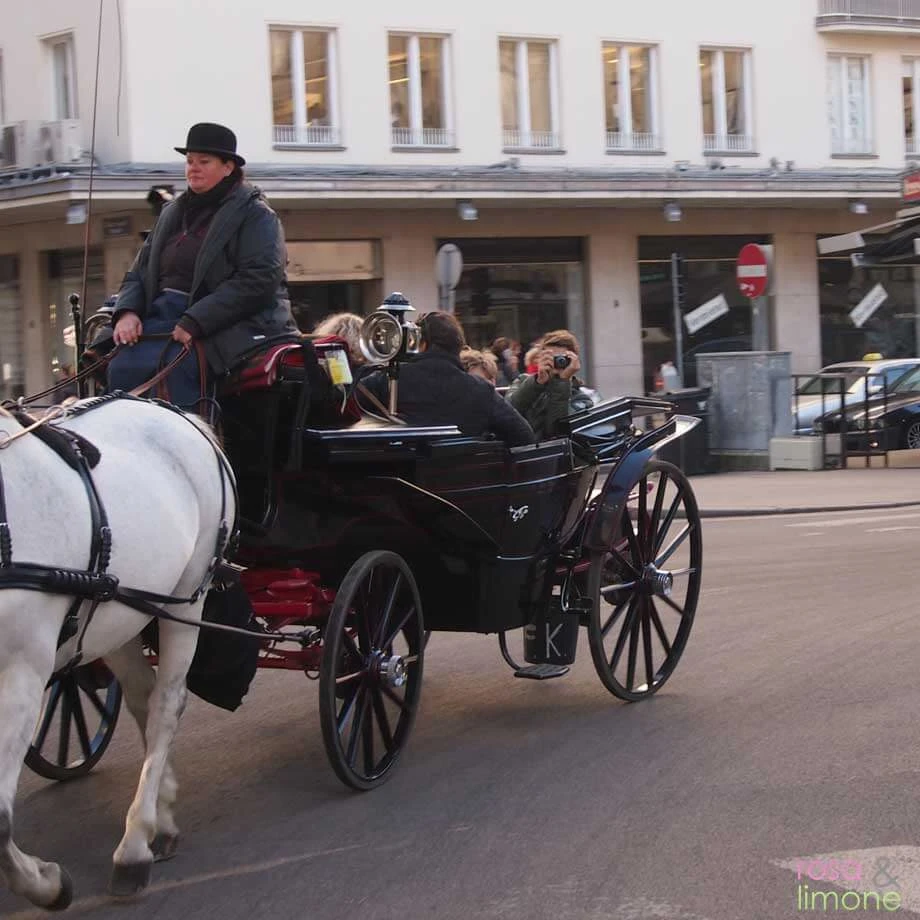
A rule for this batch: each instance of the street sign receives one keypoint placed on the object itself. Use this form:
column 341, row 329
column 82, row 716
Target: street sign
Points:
column 448, row 266
column 868, row 305
column 704, row 315
column 752, row 271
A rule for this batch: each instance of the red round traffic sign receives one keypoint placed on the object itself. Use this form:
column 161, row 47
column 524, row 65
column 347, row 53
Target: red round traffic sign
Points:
column 751, row 271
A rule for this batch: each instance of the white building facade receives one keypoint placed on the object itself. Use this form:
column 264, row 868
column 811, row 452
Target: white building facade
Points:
column 569, row 150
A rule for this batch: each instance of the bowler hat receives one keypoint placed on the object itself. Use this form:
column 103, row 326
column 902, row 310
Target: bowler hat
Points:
column 206, row 137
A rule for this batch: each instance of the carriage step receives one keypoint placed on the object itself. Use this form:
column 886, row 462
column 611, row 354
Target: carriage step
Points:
column 542, row 671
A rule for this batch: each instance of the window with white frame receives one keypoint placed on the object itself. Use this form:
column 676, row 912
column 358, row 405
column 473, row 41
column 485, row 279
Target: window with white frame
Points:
column 420, row 110
column 849, row 104
column 304, row 98
column 725, row 82
column 530, row 94
column 63, row 77
column 631, row 97
column 911, row 102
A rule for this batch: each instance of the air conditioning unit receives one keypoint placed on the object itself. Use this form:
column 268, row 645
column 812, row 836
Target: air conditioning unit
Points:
column 26, row 135
column 60, row 141
column 8, row 146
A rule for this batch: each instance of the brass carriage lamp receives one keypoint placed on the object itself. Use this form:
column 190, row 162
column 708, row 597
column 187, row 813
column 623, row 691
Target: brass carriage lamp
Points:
column 387, row 336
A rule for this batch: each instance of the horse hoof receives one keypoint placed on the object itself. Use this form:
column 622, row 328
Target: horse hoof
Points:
column 129, row 880
column 164, row 847
column 65, row 897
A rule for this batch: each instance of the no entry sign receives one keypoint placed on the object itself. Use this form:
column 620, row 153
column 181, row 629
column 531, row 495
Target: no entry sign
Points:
column 752, row 270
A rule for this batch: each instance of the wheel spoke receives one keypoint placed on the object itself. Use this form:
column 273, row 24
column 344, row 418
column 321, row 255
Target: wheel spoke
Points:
column 383, row 720
column 99, row 706
column 624, row 561
column 633, row 646
column 668, row 520
column 679, row 573
column 50, row 709
column 624, row 633
column 388, row 609
column 368, row 733
column 647, row 645
column 656, row 509
column 64, row 728
column 348, row 704
column 351, row 753
column 612, row 589
column 673, row 606
column 614, row 616
column 641, row 514
column 82, row 733
column 675, row 545
column 632, row 539
column 659, row 628
column 402, row 625
column 395, row 699
column 345, row 678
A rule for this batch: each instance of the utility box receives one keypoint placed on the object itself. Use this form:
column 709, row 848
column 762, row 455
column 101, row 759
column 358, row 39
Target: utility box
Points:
column 751, row 403
column 796, row 454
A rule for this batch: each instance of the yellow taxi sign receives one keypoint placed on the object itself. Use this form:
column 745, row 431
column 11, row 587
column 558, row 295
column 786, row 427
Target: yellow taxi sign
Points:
column 873, row 356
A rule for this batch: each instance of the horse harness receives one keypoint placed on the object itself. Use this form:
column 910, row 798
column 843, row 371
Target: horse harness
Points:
column 95, row 584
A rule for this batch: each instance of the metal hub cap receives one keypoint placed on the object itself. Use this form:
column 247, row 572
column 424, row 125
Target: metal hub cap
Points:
column 391, row 670
column 658, row 582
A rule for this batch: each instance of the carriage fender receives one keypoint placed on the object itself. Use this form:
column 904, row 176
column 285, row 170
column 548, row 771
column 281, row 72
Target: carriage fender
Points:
column 624, row 477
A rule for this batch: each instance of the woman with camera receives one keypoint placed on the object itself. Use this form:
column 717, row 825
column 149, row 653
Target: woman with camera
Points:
column 544, row 398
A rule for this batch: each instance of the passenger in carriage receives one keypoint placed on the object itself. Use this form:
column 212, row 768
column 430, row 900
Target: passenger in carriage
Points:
column 434, row 389
column 480, row 364
column 212, row 272
column 347, row 326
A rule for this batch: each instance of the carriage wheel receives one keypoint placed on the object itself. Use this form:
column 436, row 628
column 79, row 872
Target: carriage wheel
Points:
column 371, row 673
column 77, row 722
column 645, row 588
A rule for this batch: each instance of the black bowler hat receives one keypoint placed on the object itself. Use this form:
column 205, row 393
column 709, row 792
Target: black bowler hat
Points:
column 206, row 137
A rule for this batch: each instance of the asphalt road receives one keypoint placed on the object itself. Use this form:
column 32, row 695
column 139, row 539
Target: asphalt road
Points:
column 789, row 730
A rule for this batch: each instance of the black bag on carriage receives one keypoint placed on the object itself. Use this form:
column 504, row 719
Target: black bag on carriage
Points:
column 225, row 664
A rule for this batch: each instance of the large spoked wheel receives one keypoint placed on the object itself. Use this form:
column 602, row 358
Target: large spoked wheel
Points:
column 646, row 587
column 371, row 672
column 77, row 723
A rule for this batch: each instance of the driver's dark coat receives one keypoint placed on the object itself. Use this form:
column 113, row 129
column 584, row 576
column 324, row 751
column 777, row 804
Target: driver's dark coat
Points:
column 434, row 389
column 239, row 293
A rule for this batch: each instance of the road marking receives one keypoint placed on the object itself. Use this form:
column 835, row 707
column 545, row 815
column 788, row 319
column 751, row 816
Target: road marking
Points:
column 83, row 905
column 882, row 870
column 891, row 529
column 847, row 522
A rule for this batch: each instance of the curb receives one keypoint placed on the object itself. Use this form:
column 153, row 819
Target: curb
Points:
column 816, row 509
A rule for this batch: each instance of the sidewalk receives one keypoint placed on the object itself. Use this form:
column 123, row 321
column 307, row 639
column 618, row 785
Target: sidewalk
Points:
column 795, row 492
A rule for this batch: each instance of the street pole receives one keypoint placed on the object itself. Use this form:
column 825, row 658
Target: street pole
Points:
column 678, row 313
column 760, row 322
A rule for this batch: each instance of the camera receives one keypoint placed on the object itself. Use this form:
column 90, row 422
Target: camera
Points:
column 561, row 362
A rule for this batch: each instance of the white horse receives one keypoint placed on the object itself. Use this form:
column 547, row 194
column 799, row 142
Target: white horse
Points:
column 165, row 494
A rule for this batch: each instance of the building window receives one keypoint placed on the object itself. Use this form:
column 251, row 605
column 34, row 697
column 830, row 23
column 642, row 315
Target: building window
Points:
column 2, row 98
column 420, row 111
column 530, row 95
column 63, row 75
column 631, row 97
column 911, row 90
column 849, row 105
column 725, row 81
column 304, row 98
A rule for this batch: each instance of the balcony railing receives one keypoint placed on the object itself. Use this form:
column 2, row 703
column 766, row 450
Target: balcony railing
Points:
column 306, row 135
column 852, row 146
column 869, row 15
column 728, row 143
column 530, row 140
column 633, row 143
column 422, row 137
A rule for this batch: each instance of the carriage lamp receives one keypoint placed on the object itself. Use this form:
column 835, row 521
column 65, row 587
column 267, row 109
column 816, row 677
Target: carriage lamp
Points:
column 381, row 337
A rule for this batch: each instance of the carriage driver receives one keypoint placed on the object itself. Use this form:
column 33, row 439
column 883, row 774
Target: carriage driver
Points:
column 211, row 271
column 434, row 389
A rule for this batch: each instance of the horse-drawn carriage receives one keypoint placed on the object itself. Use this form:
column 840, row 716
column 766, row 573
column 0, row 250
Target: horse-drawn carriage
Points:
column 361, row 536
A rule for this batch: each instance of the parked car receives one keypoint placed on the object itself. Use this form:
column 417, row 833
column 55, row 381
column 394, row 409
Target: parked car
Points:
column 889, row 422
column 820, row 395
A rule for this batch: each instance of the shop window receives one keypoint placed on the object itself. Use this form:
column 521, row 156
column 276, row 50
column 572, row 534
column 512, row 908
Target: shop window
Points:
column 12, row 372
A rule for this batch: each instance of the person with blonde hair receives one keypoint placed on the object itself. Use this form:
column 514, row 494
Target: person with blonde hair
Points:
column 346, row 326
column 480, row 364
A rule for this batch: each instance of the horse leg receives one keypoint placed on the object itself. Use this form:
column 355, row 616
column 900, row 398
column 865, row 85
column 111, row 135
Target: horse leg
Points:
column 45, row 884
column 137, row 677
column 133, row 856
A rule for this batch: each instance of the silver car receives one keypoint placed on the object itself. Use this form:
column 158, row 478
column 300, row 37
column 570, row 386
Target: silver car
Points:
column 855, row 377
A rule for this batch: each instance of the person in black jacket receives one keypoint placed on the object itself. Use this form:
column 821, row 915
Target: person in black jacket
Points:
column 211, row 271
column 434, row 389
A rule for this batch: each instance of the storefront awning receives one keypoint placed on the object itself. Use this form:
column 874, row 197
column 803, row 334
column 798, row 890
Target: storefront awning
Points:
column 901, row 245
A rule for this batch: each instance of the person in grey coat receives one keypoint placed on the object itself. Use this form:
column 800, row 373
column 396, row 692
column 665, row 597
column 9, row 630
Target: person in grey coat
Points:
column 212, row 271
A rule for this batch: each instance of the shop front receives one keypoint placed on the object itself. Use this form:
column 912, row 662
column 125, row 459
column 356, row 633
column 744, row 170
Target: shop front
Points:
column 706, row 269
column 12, row 370
column 64, row 276
column 520, row 288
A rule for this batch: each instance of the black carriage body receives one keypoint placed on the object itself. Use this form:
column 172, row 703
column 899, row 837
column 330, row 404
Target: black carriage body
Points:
column 481, row 526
